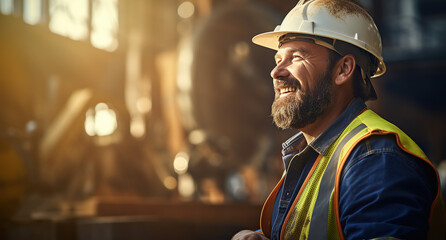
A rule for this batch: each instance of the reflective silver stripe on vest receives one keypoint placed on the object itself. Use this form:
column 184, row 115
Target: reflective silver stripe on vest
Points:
column 319, row 219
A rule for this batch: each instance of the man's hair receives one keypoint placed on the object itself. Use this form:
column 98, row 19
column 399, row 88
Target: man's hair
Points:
column 359, row 89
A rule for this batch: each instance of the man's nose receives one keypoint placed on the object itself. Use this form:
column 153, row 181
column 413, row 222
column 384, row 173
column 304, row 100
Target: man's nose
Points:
column 279, row 71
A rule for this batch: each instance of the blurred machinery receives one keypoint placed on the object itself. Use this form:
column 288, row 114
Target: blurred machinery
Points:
column 224, row 99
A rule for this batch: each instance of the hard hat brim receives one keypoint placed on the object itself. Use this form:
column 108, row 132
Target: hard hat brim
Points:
column 271, row 40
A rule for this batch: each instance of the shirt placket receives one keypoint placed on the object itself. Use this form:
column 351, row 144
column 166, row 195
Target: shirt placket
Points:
column 288, row 189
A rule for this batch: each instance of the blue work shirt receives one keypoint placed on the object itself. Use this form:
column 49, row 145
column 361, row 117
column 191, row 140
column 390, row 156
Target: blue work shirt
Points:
column 384, row 191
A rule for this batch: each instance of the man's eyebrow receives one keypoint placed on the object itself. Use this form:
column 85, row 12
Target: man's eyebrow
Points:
column 292, row 50
column 300, row 50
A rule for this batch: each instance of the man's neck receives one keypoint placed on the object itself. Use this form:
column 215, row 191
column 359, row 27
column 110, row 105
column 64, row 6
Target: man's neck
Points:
column 313, row 130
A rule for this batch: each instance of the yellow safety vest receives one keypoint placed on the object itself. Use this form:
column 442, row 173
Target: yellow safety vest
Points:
column 315, row 210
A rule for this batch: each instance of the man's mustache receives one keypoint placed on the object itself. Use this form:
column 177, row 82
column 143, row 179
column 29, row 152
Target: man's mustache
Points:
column 286, row 82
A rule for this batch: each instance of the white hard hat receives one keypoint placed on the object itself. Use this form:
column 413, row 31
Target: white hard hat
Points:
column 343, row 20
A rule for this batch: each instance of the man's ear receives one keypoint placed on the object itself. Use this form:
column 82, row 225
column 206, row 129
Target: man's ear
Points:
column 345, row 69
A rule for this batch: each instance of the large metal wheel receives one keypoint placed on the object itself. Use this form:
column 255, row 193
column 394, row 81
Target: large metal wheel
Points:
column 231, row 91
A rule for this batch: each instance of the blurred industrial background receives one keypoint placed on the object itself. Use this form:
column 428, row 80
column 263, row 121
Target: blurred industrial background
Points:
column 149, row 119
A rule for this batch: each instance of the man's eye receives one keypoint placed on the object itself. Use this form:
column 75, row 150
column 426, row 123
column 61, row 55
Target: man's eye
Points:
column 297, row 57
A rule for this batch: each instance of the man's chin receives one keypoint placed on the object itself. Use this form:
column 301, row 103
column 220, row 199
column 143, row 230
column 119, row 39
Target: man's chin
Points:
column 281, row 115
column 285, row 100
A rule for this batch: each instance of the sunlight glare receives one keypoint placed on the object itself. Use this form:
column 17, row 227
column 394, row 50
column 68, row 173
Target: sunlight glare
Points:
column 100, row 121
column 6, row 6
column 69, row 18
column 32, row 11
column 104, row 24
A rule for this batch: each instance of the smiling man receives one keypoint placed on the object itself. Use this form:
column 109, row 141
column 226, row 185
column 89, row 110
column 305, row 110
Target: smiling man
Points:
column 349, row 174
column 300, row 102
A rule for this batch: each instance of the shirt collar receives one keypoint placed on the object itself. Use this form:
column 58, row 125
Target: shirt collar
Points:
column 321, row 144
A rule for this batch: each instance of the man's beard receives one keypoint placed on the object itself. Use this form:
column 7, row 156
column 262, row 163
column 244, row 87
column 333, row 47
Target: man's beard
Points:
column 303, row 109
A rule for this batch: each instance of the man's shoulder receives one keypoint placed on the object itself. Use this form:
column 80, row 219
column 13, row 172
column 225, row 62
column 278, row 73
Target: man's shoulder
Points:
column 382, row 184
column 378, row 145
column 378, row 152
column 383, row 135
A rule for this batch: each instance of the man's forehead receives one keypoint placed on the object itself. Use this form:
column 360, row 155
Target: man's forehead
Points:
column 300, row 46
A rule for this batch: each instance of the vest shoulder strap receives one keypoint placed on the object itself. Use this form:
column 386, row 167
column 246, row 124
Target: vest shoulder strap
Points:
column 378, row 126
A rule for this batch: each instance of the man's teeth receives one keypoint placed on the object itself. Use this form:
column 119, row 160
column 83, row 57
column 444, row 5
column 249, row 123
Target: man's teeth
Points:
column 285, row 90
